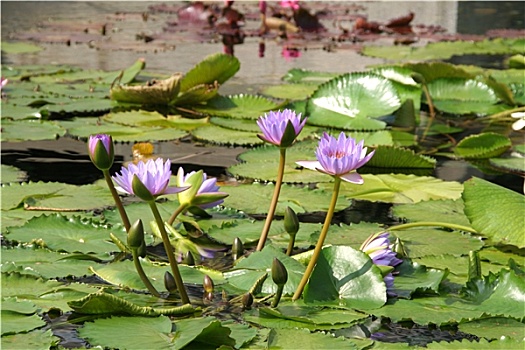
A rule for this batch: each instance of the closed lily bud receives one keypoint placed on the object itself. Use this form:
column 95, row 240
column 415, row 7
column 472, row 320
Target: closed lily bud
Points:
column 291, row 221
column 169, row 282
column 237, row 248
column 188, row 259
column 208, row 284
column 136, row 235
column 247, row 300
column 101, row 151
column 418, row 78
column 279, row 273
column 142, row 250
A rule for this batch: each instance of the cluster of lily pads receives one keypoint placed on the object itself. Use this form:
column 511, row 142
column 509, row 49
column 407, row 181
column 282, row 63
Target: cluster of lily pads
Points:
column 455, row 259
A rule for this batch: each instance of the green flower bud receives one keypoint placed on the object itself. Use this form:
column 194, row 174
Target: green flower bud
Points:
column 237, row 248
column 418, row 78
column 247, row 300
column 140, row 190
column 169, row 282
column 279, row 273
column 399, row 248
column 291, row 221
column 208, row 284
column 136, row 235
column 188, row 259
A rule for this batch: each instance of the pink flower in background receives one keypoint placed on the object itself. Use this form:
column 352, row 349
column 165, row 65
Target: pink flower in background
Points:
column 339, row 157
column 293, row 4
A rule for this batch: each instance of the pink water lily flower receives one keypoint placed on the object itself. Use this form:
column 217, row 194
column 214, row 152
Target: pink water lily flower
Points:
column 339, row 157
column 154, row 176
column 379, row 251
column 276, row 131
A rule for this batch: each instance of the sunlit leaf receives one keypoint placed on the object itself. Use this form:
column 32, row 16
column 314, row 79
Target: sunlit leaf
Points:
column 207, row 332
column 396, row 157
column 502, row 222
column 238, row 106
column 30, row 130
column 344, row 276
column 448, row 211
column 494, row 328
column 290, row 91
column 36, row 340
column 214, row 68
column 484, row 145
column 304, row 76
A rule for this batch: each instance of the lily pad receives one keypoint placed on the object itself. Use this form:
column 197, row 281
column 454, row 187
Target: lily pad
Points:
column 502, row 222
column 30, row 130
column 238, row 106
column 350, row 100
column 481, row 146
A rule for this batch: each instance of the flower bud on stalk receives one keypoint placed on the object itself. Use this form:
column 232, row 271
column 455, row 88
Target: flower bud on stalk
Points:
column 169, row 282
column 237, row 248
column 101, row 151
column 279, row 277
column 136, row 235
column 291, row 226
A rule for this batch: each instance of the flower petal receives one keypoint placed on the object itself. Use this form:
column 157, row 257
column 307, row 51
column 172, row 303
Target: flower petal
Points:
column 352, row 177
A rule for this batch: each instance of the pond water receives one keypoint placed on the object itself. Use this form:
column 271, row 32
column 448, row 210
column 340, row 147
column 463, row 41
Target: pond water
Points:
column 180, row 52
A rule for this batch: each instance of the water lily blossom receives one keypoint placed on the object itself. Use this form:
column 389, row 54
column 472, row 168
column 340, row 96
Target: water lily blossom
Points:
column 280, row 128
column 146, row 180
column 339, row 157
column 101, row 151
column 378, row 249
column 202, row 194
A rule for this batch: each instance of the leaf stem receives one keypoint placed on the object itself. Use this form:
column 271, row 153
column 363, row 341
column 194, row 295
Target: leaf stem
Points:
column 176, row 213
column 431, row 110
column 275, row 198
column 142, row 274
column 320, row 241
column 117, row 200
column 291, row 243
column 430, row 223
column 169, row 251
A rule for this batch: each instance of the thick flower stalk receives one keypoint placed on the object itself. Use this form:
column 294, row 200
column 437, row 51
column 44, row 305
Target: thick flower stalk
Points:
column 148, row 181
column 338, row 158
column 377, row 247
column 101, row 153
column 202, row 194
column 280, row 129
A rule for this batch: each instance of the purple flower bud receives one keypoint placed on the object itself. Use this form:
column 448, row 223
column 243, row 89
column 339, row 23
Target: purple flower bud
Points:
column 339, row 157
column 154, row 175
column 281, row 128
column 101, row 152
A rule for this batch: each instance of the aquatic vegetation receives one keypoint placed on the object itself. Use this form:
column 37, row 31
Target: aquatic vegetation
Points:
column 454, row 250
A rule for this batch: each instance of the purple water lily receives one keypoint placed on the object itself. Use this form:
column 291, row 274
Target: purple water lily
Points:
column 154, row 176
column 378, row 249
column 339, row 157
column 207, row 195
column 276, row 131
column 102, row 156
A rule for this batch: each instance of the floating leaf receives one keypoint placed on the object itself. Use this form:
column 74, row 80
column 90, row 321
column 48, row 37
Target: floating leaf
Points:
column 399, row 188
column 238, row 106
column 11, row 174
column 423, row 242
column 396, row 157
column 344, row 276
column 516, row 164
column 305, row 76
column 304, row 339
column 412, row 278
column 30, row 130
column 447, row 210
column 19, row 47
column 19, row 316
column 228, row 137
column 499, row 344
column 57, row 232
column 290, row 91
column 494, row 211
column 36, row 340
column 301, row 200
column 349, row 100
column 205, row 332
column 129, row 332
column 494, row 328
column 481, row 146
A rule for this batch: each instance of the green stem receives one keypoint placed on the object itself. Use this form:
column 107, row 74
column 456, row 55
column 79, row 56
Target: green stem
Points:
column 169, row 251
column 277, row 296
column 431, row 110
column 273, row 204
column 430, row 223
column 503, row 114
column 176, row 213
column 291, row 243
column 142, row 274
column 320, row 241
column 117, row 200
